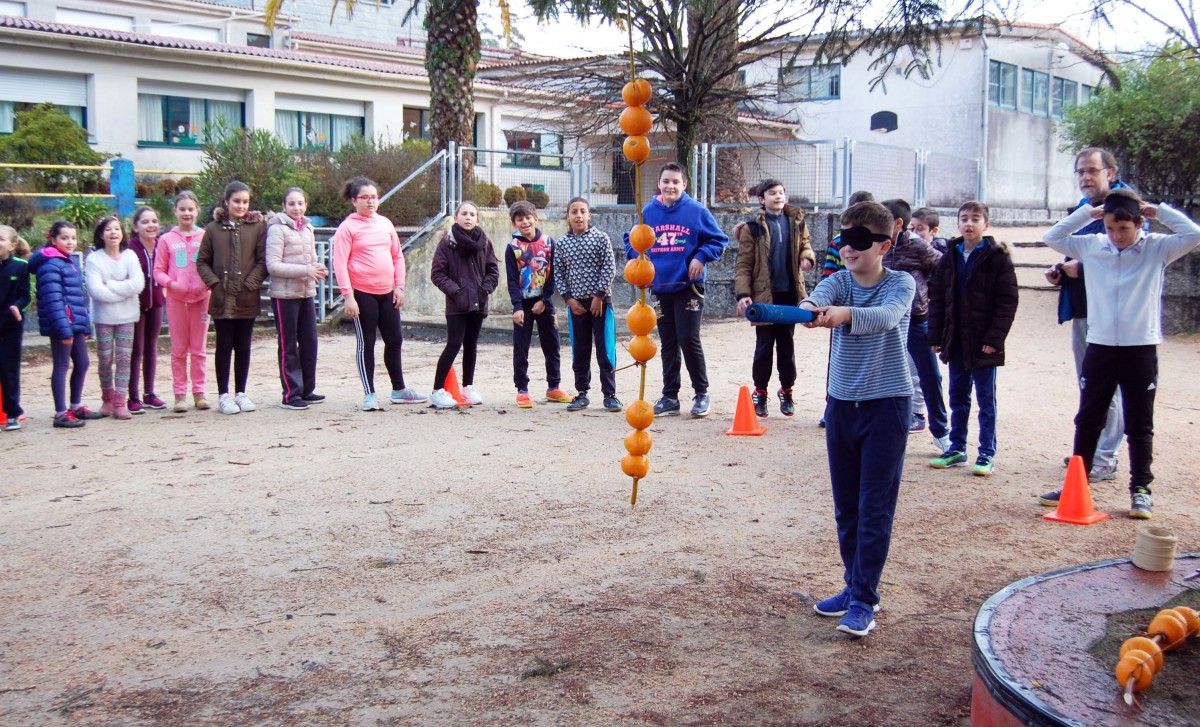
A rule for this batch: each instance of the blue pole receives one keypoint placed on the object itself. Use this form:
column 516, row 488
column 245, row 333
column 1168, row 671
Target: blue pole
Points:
column 121, row 186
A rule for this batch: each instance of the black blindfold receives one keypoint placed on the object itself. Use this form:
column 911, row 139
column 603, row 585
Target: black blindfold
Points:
column 860, row 238
column 1121, row 203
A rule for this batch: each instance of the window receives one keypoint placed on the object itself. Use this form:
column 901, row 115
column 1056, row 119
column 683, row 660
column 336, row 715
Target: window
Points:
column 1002, row 85
column 8, row 7
column 1035, row 92
column 477, row 129
column 531, row 143
column 258, row 40
column 1063, row 96
column 416, row 123
column 1086, row 93
column 184, row 121
column 180, row 30
column 810, row 83
column 91, row 19
column 303, row 129
column 21, row 89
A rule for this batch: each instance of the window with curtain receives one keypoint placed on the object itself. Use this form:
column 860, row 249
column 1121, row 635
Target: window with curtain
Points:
column 530, row 144
column 416, row 123
column 1086, row 93
column 302, row 129
column 183, row 121
column 1064, row 95
column 810, row 83
column 1002, row 85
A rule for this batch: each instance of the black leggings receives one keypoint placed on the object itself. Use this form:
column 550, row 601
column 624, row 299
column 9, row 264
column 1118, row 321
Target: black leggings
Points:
column 462, row 331
column 377, row 312
column 233, row 339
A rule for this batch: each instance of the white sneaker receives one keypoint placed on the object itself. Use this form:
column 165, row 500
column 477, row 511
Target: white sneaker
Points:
column 942, row 443
column 441, row 399
column 226, row 405
column 243, row 402
column 473, row 397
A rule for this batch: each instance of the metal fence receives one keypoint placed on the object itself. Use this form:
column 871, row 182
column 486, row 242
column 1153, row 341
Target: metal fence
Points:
column 486, row 176
column 948, row 181
column 809, row 170
column 888, row 172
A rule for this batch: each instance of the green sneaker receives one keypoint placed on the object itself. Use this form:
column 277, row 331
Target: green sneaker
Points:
column 983, row 466
column 949, row 458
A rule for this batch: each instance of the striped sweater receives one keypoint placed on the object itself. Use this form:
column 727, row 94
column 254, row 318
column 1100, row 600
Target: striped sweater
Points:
column 868, row 359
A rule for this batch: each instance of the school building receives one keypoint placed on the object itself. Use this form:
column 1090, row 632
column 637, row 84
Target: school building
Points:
column 146, row 78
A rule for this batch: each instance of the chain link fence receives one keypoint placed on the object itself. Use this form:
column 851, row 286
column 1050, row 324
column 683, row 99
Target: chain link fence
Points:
column 809, row 171
column 888, row 172
column 499, row 177
column 948, row 181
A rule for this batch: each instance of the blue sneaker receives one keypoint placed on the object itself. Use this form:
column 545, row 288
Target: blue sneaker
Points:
column 836, row 605
column 858, row 621
column 408, row 396
column 371, row 403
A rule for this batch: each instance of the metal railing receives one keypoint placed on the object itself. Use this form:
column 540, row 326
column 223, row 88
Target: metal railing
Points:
column 550, row 180
column 808, row 169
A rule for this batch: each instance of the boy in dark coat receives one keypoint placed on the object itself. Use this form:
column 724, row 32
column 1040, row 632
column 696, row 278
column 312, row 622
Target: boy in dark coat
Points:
column 972, row 304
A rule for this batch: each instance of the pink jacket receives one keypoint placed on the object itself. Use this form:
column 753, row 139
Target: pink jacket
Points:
column 367, row 255
column 175, row 266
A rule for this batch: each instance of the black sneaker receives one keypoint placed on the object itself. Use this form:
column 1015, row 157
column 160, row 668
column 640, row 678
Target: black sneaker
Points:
column 759, row 397
column 612, row 403
column 314, row 398
column 700, row 405
column 821, row 423
column 787, row 407
column 579, row 403
column 296, row 402
column 68, row 420
column 666, row 407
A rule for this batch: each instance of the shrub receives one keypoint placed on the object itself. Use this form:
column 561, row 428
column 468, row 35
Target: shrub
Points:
column 83, row 213
column 388, row 164
column 142, row 190
column 514, row 194
column 164, row 206
column 165, row 187
column 184, row 183
column 256, row 157
column 539, row 198
column 486, row 194
column 45, row 134
column 18, row 212
column 322, row 184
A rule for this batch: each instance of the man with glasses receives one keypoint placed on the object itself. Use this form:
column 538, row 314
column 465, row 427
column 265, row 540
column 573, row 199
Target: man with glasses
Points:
column 1096, row 174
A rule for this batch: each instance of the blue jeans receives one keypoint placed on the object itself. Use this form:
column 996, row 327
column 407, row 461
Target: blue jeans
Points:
column 983, row 378
column 866, row 441
column 930, row 375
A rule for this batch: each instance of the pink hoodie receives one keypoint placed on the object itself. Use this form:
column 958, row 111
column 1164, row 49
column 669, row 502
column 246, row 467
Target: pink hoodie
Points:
column 367, row 255
column 175, row 265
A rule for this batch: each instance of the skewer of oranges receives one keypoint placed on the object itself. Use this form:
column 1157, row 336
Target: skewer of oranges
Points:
column 636, row 122
column 1141, row 657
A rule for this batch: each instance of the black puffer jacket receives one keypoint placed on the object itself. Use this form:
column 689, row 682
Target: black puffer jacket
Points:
column 467, row 278
column 989, row 304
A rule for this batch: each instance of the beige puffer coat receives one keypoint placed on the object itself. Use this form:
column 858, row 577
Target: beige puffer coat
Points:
column 291, row 249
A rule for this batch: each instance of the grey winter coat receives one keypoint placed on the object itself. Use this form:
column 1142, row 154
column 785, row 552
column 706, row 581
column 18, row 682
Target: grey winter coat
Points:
column 291, row 249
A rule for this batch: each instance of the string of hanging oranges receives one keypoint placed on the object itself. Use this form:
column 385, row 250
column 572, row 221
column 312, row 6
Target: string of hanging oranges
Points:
column 636, row 122
column 1142, row 656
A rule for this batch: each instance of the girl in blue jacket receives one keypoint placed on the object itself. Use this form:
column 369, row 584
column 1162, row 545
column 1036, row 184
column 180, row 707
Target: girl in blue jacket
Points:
column 62, row 308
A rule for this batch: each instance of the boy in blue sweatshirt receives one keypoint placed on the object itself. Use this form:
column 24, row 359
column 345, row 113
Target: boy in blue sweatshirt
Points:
column 688, row 239
column 529, row 262
column 869, row 405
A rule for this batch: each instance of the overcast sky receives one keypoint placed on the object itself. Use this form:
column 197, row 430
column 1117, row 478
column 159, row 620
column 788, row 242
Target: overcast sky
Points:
column 569, row 38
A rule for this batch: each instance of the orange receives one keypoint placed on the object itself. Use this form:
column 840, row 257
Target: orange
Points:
column 642, row 348
column 639, row 272
column 636, row 121
column 640, row 319
column 636, row 148
column 1191, row 618
column 1147, row 645
column 641, row 237
column 637, row 92
column 1138, row 666
column 635, row 465
column 639, row 414
column 639, row 442
column 1170, row 626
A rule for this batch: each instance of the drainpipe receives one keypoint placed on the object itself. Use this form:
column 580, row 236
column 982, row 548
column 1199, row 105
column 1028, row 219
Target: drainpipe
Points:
column 983, row 113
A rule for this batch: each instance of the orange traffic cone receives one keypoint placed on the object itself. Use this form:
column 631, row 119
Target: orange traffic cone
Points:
column 745, row 423
column 1075, row 500
column 452, row 387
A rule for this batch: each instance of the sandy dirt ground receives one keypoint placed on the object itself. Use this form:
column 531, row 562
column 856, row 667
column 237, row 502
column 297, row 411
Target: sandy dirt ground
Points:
column 414, row 567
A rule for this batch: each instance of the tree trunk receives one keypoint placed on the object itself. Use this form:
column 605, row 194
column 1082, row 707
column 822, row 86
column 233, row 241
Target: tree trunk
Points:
column 451, row 55
column 714, row 26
